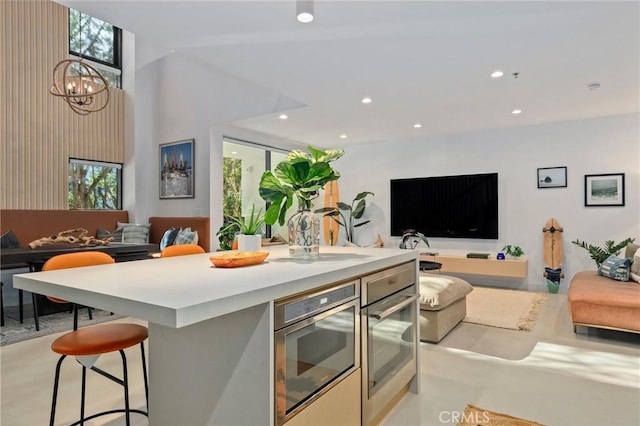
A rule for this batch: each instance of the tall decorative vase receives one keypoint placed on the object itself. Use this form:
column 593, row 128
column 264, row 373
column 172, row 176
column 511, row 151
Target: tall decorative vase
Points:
column 304, row 234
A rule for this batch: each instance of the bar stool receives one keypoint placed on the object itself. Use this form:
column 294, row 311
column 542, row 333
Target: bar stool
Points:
column 91, row 342
column 181, row 250
column 74, row 260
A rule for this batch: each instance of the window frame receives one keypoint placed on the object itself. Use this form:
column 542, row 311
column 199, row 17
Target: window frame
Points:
column 87, row 162
column 116, row 66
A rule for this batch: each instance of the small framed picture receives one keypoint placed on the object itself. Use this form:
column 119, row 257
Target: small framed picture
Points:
column 552, row 177
column 604, row 190
column 176, row 169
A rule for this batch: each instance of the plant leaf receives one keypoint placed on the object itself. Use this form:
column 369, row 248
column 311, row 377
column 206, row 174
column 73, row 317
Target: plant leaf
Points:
column 362, row 195
column 359, row 210
column 357, row 225
column 343, row 206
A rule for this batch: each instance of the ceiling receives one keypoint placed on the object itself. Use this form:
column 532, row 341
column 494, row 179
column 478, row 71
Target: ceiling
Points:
column 420, row 61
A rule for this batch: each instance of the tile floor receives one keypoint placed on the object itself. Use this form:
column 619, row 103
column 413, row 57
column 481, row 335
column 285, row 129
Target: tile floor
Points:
column 549, row 375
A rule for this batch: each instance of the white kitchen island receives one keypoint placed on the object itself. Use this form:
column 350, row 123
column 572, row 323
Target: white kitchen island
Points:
column 210, row 329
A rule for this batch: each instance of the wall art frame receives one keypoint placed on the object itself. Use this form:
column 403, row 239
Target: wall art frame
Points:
column 177, row 169
column 604, row 190
column 552, row 177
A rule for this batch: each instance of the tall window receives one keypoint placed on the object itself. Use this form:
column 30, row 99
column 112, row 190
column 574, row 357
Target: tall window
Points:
column 98, row 43
column 243, row 166
column 94, row 185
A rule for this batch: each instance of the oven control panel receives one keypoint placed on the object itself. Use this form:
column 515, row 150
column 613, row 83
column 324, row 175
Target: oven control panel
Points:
column 288, row 312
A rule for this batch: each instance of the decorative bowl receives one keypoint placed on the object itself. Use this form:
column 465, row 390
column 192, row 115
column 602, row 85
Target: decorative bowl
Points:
column 237, row 259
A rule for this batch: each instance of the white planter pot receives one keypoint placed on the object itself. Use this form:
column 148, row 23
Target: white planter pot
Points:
column 249, row 242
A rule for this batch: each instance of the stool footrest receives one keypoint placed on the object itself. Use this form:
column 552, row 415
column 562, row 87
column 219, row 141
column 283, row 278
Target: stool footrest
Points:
column 104, row 413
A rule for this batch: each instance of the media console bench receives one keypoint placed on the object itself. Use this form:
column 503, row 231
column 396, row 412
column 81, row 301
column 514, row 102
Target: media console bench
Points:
column 508, row 268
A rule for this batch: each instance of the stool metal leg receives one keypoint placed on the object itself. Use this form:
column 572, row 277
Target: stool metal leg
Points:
column 144, row 373
column 34, row 302
column 55, row 391
column 83, row 393
column 125, row 379
column 1, row 305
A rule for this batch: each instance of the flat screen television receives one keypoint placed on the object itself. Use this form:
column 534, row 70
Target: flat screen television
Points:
column 464, row 206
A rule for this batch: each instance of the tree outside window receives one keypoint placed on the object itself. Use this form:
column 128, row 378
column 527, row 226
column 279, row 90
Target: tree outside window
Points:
column 94, row 185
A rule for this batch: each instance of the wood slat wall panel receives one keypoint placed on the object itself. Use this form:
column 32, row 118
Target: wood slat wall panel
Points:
column 39, row 131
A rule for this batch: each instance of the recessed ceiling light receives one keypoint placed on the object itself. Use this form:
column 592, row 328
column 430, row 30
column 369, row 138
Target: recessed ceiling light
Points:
column 284, row 117
column 497, row 74
column 417, row 125
column 516, row 112
column 234, row 152
column 366, row 100
column 343, row 136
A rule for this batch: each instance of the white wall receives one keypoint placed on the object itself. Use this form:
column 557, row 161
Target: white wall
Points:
column 178, row 98
column 603, row 145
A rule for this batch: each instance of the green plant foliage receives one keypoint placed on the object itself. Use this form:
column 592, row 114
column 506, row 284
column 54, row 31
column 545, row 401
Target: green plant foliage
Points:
column 227, row 233
column 302, row 175
column 355, row 212
column 93, row 187
column 600, row 254
column 511, row 250
column 250, row 225
column 232, row 184
column 411, row 238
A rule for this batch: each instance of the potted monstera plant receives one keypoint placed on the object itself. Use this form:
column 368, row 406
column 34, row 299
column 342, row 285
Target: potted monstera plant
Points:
column 300, row 177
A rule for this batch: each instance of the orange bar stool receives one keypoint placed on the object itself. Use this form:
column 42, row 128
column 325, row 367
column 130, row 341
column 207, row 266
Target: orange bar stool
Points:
column 98, row 340
column 181, row 250
column 75, row 260
column 91, row 342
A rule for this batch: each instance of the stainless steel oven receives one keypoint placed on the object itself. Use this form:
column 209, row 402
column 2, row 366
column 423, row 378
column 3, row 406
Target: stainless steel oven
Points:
column 317, row 344
column 389, row 336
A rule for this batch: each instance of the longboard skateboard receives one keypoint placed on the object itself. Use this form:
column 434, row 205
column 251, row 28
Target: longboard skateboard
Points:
column 552, row 246
column 330, row 226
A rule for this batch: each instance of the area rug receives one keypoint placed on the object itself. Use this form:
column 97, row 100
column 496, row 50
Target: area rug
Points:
column 476, row 416
column 503, row 308
column 14, row 332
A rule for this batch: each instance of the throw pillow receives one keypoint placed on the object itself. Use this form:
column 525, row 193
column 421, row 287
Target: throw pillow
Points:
column 186, row 236
column 134, row 232
column 631, row 250
column 616, row 268
column 439, row 291
column 9, row 240
column 104, row 234
column 635, row 267
column 169, row 238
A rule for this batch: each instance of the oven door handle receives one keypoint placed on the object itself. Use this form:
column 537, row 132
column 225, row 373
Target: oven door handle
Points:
column 395, row 308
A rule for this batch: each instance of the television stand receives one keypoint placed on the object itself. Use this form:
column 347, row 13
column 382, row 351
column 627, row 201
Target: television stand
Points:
column 508, row 268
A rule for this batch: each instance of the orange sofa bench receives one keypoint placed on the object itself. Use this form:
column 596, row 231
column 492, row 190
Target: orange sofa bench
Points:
column 601, row 302
column 197, row 223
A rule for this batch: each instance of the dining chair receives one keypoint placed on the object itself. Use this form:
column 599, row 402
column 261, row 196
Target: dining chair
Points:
column 89, row 343
column 181, row 250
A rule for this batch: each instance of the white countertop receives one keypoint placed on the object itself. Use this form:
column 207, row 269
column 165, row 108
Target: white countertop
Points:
column 181, row 291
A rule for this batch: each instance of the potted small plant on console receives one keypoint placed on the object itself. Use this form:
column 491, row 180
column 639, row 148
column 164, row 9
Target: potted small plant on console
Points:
column 512, row 251
column 301, row 176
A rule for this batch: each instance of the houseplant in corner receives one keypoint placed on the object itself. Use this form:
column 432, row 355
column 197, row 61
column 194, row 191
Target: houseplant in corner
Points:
column 600, row 254
column 249, row 228
column 355, row 212
column 301, row 177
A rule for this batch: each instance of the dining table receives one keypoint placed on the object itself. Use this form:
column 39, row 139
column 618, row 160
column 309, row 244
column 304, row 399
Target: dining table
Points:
column 34, row 259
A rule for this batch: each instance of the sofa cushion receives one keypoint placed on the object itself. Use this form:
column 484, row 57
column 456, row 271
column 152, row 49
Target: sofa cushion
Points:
column 134, row 232
column 631, row 249
column 439, row 291
column 103, row 234
column 635, row 267
column 616, row 267
column 186, row 236
column 169, row 238
column 9, row 240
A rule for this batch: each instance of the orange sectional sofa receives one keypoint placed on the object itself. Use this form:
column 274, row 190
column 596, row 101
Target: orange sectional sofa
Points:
column 597, row 301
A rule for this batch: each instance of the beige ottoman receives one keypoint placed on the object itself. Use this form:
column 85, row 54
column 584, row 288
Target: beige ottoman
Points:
column 443, row 304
